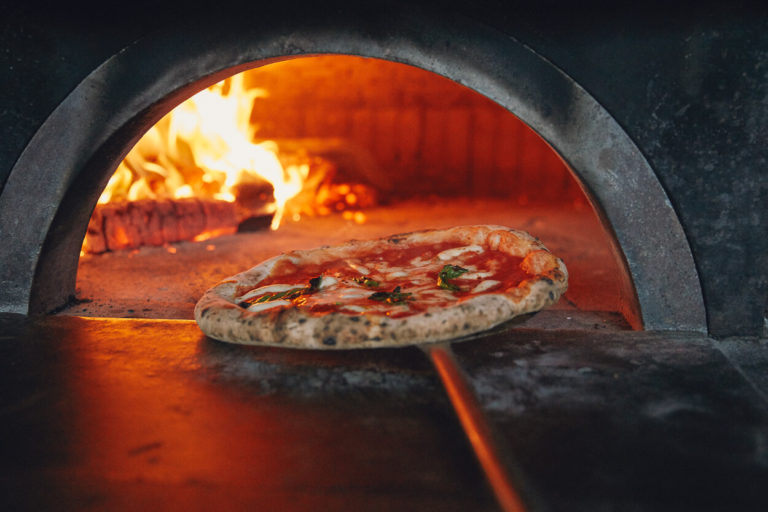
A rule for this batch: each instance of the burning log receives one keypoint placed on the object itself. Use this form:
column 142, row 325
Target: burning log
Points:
column 129, row 225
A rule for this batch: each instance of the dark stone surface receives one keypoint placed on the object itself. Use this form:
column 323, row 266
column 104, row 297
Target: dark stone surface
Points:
column 127, row 415
column 628, row 421
column 105, row 414
column 750, row 357
column 688, row 86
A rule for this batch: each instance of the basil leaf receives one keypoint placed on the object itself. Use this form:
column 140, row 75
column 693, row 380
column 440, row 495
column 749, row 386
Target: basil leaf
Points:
column 393, row 297
column 367, row 281
column 293, row 293
column 452, row 271
column 449, row 272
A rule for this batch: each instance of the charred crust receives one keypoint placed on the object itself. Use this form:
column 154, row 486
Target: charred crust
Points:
column 465, row 326
column 354, row 319
column 205, row 312
column 329, row 341
column 551, row 295
column 302, row 320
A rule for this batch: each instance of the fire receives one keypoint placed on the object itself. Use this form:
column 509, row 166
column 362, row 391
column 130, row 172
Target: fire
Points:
column 205, row 148
column 201, row 172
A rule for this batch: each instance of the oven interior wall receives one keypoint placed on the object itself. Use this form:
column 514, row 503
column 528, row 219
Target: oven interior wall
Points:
column 427, row 135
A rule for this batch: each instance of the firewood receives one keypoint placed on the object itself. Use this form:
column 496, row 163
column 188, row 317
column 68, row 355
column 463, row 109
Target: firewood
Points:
column 149, row 222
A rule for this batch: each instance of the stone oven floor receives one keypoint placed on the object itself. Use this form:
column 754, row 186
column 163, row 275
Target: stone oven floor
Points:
column 132, row 414
column 154, row 283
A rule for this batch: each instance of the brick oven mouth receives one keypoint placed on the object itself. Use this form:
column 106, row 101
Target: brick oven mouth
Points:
column 387, row 148
column 658, row 284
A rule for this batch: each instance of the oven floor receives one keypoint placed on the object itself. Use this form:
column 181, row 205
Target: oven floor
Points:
column 134, row 414
column 154, row 283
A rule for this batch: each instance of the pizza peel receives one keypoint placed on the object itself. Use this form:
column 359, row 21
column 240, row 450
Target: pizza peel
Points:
column 473, row 420
column 475, row 425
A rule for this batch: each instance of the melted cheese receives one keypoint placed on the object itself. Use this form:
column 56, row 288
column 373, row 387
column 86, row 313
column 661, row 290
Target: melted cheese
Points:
column 485, row 285
column 476, row 275
column 327, row 281
column 452, row 254
column 261, row 306
column 363, row 270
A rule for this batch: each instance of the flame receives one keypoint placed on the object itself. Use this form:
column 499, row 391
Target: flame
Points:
column 205, row 147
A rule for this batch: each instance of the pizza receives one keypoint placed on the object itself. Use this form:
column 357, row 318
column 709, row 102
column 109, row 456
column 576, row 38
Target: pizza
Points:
column 419, row 287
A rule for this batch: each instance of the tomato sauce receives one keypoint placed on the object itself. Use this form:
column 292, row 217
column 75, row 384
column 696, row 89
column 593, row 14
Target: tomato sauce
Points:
column 404, row 279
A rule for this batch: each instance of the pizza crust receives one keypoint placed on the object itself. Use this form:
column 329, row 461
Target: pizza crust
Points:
column 219, row 316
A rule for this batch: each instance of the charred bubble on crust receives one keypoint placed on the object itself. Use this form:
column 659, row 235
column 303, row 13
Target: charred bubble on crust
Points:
column 329, row 341
column 354, row 318
column 395, row 240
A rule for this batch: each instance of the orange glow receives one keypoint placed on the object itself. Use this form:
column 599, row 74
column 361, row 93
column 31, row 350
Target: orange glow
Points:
column 213, row 233
column 121, row 236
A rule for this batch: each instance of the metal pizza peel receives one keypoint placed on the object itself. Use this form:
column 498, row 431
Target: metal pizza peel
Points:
column 473, row 419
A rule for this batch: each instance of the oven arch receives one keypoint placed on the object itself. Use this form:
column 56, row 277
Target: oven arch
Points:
column 92, row 129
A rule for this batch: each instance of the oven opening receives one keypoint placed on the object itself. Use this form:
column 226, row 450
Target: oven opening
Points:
column 318, row 150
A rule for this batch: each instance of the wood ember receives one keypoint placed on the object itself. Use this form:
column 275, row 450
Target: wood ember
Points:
column 129, row 225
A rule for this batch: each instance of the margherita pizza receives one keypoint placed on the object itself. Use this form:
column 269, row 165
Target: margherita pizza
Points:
column 418, row 287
